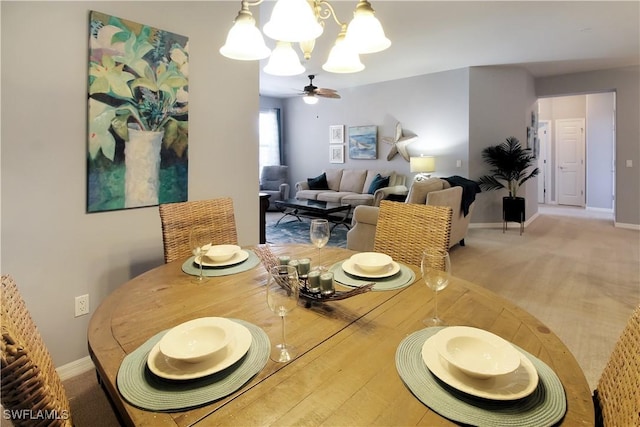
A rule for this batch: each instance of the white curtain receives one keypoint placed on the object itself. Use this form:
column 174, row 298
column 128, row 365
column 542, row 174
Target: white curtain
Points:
column 269, row 137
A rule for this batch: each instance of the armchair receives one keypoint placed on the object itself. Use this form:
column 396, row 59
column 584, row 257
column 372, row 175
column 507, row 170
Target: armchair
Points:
column 274, row 180
column 434, row 192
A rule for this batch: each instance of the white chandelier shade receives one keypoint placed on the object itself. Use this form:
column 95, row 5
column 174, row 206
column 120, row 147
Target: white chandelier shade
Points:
column 292, row 21
column 365, row 32
column 343, row 58
column 302, row 21
column 284, row 61
column 244, row 40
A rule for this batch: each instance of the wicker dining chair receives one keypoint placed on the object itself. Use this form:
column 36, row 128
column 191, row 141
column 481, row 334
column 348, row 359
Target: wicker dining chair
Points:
column 617, row 398
column 178, row 218
column 32, row 391
column 405, row 230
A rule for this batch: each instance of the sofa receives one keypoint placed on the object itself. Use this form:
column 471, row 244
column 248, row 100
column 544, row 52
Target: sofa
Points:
column 432, row 191
column 352, row 186
column 274, row 181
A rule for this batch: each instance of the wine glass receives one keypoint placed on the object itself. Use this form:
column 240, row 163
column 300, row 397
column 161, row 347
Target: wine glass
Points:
column 199, row 241
column 436, row 270
column 282, row 297
column 319, row 233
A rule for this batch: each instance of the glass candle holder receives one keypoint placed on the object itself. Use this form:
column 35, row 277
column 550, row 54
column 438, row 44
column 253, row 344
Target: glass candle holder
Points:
column 313, row 281
column 326, row 283
column 284, row 259
column 304, row 265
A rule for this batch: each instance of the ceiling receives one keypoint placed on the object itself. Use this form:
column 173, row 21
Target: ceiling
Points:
column 545, row 37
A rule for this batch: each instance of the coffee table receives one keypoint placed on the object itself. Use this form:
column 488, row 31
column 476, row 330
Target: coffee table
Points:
column 335, row 213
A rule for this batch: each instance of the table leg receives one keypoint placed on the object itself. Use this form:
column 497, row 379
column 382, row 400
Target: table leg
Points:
column 293, row 212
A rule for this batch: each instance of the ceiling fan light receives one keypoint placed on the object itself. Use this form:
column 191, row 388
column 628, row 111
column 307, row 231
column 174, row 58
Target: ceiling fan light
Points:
column 343, row 58
column 283, row 61
column 244, row 40
column 310, row 99
column 365, row 32
column 293, row 21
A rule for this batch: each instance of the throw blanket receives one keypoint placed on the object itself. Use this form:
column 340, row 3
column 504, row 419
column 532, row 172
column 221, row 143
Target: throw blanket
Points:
column 469, row 190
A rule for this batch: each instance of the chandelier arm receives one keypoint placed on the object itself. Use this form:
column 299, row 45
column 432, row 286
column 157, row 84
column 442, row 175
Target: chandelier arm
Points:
column 247, row 3
column 325, row 13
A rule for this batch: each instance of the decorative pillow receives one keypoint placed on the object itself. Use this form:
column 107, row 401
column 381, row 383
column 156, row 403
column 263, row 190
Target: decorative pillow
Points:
column 318, row 183
column 419, row 189
column 378, row 182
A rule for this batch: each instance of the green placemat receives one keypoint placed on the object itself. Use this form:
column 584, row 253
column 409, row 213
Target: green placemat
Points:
column 193, row 269
column 544, row 407
column 140, row 387
column 403, row 278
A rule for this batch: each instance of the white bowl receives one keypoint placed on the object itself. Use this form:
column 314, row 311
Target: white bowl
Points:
column 477, row 353
column 220, row 253
column 371, row 262
column 194, row 341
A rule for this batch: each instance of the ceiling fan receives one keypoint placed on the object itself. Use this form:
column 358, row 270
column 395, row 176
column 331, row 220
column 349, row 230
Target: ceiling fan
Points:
column 311, row 92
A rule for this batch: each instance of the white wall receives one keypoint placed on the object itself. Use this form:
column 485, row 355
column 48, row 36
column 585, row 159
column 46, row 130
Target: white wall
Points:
column 626, row 84
column 600, row 149
column 433, row 106
column 500, row 103
column 49, row 244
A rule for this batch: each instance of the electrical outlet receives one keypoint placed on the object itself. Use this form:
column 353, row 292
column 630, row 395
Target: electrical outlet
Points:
column 82, row 305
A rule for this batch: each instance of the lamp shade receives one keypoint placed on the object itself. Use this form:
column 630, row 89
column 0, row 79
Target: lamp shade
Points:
column 244, row 40
column 292, row 21
column 342, row 57
column 422, row 164
column 283, row 61
column 365, row 33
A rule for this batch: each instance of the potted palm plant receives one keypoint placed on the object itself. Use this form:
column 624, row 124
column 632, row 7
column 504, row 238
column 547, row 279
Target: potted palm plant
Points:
column 511, row 166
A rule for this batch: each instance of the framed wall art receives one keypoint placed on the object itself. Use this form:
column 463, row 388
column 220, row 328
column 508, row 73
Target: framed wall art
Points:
column 336, row 154
column 336, row 134
column 363, row 142
column 137, row 149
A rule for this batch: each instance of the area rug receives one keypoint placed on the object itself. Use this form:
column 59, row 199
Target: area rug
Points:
column 294, row 231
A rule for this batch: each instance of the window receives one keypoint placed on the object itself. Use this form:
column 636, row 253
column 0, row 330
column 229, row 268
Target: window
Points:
column 270, row 153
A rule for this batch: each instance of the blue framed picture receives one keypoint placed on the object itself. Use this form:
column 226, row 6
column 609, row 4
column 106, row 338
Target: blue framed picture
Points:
column 363, row 142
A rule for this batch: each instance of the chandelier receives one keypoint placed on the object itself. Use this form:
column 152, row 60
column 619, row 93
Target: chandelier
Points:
column 302, row 21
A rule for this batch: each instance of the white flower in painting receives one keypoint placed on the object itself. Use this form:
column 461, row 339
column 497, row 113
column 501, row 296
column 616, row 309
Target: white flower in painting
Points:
column 102, row 44
column 182, row 96
column 181, row 58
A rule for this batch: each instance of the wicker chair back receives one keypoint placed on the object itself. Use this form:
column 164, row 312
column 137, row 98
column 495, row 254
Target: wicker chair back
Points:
column 618, row 394
column 405, row 230
column 32, row 391
column 178, row 218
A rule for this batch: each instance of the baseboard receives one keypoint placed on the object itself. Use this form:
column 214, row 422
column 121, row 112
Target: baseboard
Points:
column 75, row 368
column 627, row 226
column 603, row 210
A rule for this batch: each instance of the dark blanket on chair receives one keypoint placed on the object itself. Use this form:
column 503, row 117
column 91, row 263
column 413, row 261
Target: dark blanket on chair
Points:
column 469, row 190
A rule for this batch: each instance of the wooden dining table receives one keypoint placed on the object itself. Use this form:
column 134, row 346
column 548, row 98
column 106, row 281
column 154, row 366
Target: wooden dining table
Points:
column 345, row 372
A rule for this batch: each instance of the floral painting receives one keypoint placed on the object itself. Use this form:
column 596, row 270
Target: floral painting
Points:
column 137, row 115
column 363, row 142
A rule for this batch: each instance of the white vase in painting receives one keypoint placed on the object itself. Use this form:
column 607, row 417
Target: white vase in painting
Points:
column 142, row 168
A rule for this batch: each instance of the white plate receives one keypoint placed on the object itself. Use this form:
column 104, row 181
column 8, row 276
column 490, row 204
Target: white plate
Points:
column 173, row 369
column 514, row 385
column 239, row 257
column 349, row 267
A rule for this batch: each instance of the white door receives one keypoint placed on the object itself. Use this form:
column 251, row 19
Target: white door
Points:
column 570, row 160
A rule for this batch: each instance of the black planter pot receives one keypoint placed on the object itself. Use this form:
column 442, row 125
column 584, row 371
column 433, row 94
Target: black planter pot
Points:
column 512, row 211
